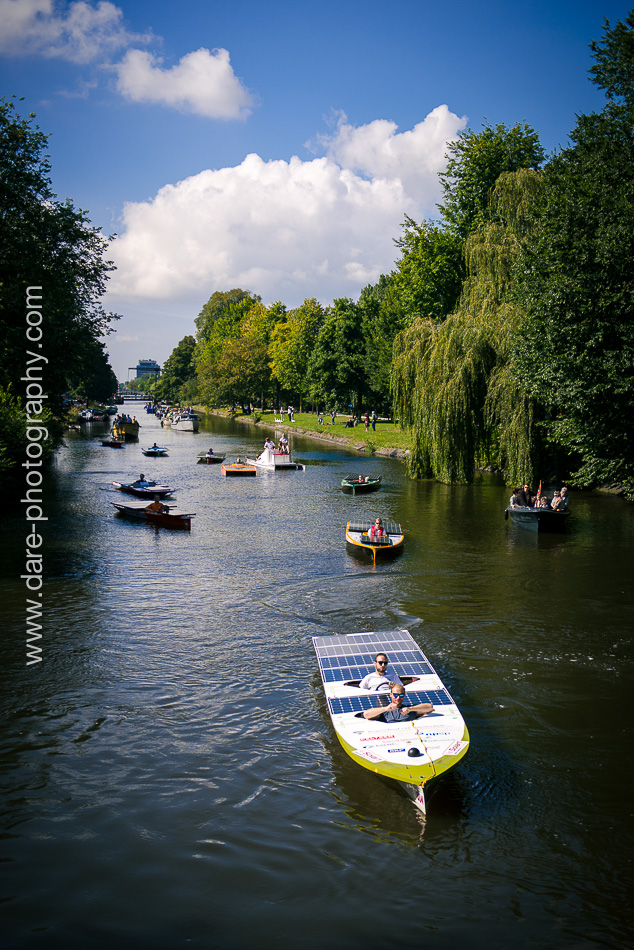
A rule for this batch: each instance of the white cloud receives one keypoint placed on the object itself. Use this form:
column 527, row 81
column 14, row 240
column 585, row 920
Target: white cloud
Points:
column 85, row 33
column 284, row 230
column 413, row 157
column 202, row 82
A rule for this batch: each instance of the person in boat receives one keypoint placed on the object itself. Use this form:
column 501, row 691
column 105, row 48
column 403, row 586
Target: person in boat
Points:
column 269, row 444
column 556, row 504
column 158, row 506
column 377, row 530
column 155, row 446
column 210, row 452
column 564, row 497
column 141, row 482
column 526, row 497
column 379, row 681
column 282, row 445
column 543, row 502
column 514, row 501
column 398, row 710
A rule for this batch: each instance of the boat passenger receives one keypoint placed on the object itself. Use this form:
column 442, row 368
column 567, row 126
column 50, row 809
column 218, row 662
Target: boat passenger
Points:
column 377, row 530
column 514, row 500
column 157, row 505
column 543, row 502
column 526, row 497
column 556, row 503
column 210, row 451
column 269, row 444
column 283, row 445
column 398, row 711
column 379, row 681
column 141, row 482
column 564, row 497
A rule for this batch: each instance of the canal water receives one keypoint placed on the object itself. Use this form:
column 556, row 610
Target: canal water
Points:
column 170, row 776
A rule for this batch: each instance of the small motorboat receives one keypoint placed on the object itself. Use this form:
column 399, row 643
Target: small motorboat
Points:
column 113, row 443
column 144, row 489
column 154, row 451
column 185, row 421
column 204, row 458
column 162, row 519
column 274, row 461
column 239, row 468
column 539, row 520
column 413, row 750
column 361, row 540
column 358, row 484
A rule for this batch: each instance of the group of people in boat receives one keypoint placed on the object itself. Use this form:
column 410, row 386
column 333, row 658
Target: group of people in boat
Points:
column 396, row 709
column 524, row 498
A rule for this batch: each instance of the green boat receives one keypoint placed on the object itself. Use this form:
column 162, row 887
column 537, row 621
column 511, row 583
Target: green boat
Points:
column 358, row 484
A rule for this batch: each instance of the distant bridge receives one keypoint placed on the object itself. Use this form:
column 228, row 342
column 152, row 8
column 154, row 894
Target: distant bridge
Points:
column 133, row 397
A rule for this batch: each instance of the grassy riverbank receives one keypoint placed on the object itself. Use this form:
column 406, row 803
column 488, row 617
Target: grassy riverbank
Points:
column 387, row 439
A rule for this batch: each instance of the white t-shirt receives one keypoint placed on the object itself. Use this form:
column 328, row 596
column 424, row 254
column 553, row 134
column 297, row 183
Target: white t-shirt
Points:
column 380, row 682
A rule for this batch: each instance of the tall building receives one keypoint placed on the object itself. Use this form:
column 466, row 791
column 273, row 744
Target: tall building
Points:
column 145, row 367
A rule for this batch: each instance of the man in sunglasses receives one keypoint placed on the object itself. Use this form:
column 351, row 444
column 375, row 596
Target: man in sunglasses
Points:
column 398, row 711
column 379, row 680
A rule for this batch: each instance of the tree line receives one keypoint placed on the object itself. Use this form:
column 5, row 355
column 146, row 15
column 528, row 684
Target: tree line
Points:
column 504, row 335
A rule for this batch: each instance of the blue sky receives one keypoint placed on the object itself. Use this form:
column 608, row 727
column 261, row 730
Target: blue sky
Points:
column 275, row 146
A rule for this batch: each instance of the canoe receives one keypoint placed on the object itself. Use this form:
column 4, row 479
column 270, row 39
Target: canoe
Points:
column 539, row 520
column 205, row 459
column 149, row 490
column 171, row 519
column 358, row 484
column 410, row 752
column 358, row 541
column 273, row 461
column 155, row 451
column 239, row 468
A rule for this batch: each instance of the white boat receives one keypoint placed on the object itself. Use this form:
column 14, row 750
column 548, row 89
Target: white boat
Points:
column 155, row 450
column 274, row 461
column 411, row 752
column 185, row 421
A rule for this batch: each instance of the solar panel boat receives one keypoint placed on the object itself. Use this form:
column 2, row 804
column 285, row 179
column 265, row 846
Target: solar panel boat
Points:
column 412, row 752
column 360, row 541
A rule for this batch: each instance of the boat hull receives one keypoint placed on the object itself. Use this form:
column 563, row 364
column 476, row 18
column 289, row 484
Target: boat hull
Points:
column 238, row 468
column 359, row 543
column 127, row 431
column 181, row 522
column 409, row 752
column 272, row 461
column 154, row 453
column 351, row 486
column 150, row 492
column 210, row 459
column 539, row 520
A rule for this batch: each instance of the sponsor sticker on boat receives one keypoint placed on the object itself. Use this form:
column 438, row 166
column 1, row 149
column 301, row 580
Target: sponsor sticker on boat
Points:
column 368, row 755
column 397, row 750
column 455, row 748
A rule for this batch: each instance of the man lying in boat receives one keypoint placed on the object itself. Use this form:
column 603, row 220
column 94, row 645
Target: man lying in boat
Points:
column 157, row 505
column 398, row 711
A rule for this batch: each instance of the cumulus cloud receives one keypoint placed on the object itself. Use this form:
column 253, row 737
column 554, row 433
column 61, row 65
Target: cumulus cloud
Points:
column 202, row 82
column 284, row 230
column 414, row 157
column 82, row 34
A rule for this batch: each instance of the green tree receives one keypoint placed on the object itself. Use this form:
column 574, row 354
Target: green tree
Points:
column 47, row 244
column 475, row 162
column 178, row 371
column 576, row 350
column 336, row 368
column 454, row 382
column 292, row 342
column 430, row 271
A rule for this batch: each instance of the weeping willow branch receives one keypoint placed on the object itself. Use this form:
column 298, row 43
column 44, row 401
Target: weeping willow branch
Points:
column 453, row 383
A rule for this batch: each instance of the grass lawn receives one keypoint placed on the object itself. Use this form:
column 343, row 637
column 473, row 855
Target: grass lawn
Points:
column 388, row 435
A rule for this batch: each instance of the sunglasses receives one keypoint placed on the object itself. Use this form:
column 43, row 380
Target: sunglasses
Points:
column 381, row 662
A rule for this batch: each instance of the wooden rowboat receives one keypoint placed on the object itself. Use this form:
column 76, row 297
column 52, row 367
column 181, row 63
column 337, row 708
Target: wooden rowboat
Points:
column 358, row 484
column 412, row 751
column 239, row 468
column 140, row 512
column 359, row 540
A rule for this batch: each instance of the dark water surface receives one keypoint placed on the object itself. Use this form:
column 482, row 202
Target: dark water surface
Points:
column 170, row 775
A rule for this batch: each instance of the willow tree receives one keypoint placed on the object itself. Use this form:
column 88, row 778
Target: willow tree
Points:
column 454, row 382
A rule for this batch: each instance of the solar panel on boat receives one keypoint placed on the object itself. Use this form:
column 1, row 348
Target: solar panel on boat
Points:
column 392, row 527
column 343, row 658
column 354, row 704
